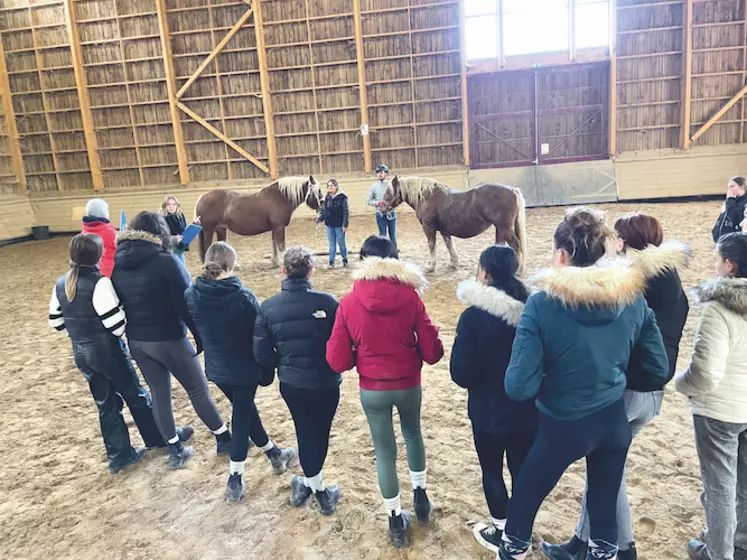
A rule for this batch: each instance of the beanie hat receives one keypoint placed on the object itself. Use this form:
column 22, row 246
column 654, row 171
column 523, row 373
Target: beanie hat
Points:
column 97, row 208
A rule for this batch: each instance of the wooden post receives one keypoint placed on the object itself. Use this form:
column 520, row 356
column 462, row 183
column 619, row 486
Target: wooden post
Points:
column 572, row 30
column 687, row 72
column 10, row 124
column 264, row 80
column 465, row 98
column 721, row 112
column 362, row 84
column 168, row 64
column 613, row 79
column 84, row 99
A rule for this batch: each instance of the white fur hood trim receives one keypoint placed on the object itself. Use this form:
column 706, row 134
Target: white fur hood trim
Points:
column 670, row 255
column 492, row 300
column 729, row 292
column 376, row 268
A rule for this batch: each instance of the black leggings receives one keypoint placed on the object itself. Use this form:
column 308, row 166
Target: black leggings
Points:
column 312, row 411
column 603, row 438
column 245, row 420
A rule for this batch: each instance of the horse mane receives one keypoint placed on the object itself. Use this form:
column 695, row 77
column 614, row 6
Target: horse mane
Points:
column 292, row 188
column 416, row 189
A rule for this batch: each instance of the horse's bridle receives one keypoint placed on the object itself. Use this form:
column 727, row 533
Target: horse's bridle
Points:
column 317, row 194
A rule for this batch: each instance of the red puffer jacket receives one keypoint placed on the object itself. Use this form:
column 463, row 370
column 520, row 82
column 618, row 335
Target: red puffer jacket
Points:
column 108, row 235
column 382, row 327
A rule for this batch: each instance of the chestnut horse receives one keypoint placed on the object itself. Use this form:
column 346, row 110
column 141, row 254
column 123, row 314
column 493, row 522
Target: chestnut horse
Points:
column 462, row 214
column 270, row 209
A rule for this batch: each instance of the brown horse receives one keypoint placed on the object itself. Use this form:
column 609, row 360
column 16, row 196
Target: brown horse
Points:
column 270, row 209
column 462, row 214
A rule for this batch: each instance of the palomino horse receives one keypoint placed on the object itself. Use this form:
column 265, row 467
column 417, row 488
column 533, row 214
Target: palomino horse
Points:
column 462, row 214
column 270, row 209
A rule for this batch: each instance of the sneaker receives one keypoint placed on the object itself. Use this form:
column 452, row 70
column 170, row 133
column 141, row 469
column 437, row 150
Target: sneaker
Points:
column 574, row 550
column 630, row 554
column 488, row 536
column 398, row 527
column 698, row 550
column 422, row 506
column 602, row 550
column 179, row 454
column 299, row 492
column 281, row 460
column 223, row 444
column 114, row 468
column 328, row 499
column 513, row 547
column 234, row 488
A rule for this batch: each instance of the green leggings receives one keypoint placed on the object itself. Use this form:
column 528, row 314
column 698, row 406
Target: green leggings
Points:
column 378, row 407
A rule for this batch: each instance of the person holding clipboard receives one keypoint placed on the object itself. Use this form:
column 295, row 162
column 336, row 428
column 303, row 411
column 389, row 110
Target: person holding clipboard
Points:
column 181, row 233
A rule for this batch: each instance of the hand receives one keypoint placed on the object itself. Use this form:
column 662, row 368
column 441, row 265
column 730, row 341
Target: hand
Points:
column 179, row 238
column 344, row 230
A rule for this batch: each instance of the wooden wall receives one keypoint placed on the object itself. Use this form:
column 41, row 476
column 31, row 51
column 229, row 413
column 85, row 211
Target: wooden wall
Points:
column 16, row 217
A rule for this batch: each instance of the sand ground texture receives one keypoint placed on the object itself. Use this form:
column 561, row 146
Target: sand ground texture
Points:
column 58, row 501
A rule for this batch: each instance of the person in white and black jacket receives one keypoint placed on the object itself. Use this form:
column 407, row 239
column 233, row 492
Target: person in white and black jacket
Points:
column 85, row 304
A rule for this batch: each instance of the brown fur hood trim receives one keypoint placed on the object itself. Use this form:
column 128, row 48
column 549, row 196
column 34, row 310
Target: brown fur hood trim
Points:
column 138, row 235
column 375, row 268
column 492, row 300
column 729, row 292
column 671, row 255
column 609, row 283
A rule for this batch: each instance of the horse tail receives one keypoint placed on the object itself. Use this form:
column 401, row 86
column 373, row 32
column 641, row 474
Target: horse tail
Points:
column 520, row 226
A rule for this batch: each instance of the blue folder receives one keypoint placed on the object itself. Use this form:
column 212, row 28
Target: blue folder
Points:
column 190, row 233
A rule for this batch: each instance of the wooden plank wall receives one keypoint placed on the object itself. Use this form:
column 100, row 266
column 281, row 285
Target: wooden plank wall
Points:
column 8, row 179
column 16, row 217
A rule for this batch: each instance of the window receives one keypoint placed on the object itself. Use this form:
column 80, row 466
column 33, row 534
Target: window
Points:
column 496, row 29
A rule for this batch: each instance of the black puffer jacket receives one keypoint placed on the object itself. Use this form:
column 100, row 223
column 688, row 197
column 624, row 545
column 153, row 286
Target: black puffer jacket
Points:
column 177, row 224
column 480, row 356
column 728, row 221
column 291, row 333
column 225, row 312
column 150, row 282
column 336, row 211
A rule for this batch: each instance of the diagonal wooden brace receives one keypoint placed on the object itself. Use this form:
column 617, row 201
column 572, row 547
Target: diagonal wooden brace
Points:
column 721, row 112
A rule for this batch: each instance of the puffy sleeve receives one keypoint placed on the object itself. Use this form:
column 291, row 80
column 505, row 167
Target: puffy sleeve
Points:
column 463, row 363
column 651, row 356
column 430, row 347
column 525, row 371
column 708, row 360
column 340, row 351
column 108, row 308
column 264, row 345
column 56, row 320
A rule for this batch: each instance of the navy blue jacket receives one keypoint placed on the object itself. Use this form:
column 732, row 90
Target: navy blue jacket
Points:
column 728, row 221
column 224, row 312
column 151, row 282
column 576, row 336
column 292, row 331
column 177, row 224
column 480, row 356
column 336, row 212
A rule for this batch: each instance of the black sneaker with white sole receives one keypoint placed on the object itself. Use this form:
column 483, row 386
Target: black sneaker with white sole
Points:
column 488, row 536
column 234, row 488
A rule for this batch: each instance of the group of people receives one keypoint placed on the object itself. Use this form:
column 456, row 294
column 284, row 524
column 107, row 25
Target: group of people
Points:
column 568, row 368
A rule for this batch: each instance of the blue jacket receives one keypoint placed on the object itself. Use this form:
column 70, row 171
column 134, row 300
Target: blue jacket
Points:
column 225, row 311
column 576, row 337
column 480, row 356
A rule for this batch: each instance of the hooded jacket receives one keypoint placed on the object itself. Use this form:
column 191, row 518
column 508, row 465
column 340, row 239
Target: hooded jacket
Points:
column 576, row 336
column 382, row 327
column 224, row 312
column 666, row 298
column 480, row 356
column 716, row 379
column 151, row 282
column 336, row 212
column 108, row 235
column 730, row 218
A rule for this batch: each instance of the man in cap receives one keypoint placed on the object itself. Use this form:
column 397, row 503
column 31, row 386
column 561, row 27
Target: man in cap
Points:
column 387, row 222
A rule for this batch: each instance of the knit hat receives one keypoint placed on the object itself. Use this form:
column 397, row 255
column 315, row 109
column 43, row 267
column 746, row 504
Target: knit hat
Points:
column 97, row 208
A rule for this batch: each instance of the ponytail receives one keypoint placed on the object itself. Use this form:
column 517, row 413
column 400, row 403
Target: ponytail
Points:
column 85, row 252
column 219, row 258
column 71, row 282
column 501, row 263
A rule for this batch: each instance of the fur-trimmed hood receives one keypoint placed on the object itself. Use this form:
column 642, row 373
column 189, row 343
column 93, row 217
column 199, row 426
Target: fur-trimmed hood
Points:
column 492, row 300
column 385, row 285
column 729, row 292
column 609, row 284
column 654, row 261
column 376, row 268
column 138, row 235
column 134, row 247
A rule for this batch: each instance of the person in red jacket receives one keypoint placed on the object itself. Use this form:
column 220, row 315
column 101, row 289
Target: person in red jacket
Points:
column 383, row 329
column 96, row 221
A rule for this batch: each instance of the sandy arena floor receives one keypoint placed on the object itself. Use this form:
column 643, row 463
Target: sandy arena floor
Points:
column 58, row 501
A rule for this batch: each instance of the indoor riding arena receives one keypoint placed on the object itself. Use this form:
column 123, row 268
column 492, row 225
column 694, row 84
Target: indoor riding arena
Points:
column 622, row 105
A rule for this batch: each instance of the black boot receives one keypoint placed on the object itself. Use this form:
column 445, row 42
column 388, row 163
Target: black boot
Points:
column 223, row 443
column 327, row 499
column 574, row 550
column 630, row 554
column 234, row 488
column 185, row 433
column 299, row 492
column 179, row 454
column 280, row 458
column 114, row 468
column 398, row 527
column 422, row 506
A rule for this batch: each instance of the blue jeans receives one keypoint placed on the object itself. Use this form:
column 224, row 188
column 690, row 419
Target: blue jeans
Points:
column 180, row 255
column 385, row 225
column 336, row 236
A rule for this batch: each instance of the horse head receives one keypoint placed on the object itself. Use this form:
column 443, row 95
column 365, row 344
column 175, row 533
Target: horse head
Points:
column 314, row 195
column 393, row 196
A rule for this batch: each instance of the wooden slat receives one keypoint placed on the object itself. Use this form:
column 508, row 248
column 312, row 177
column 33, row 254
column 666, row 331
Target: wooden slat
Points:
column 222, row 136
column 168, row 63
column 720, row 113
column 264, row 81
column 687, row 71
column 10, row 124
column 465, row 103
column 612, row 142
column 362, row 84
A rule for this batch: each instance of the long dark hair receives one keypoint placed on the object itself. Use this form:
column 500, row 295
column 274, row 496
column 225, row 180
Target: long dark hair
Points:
column 583, row 235
column 501, row 263
column 152, row 223
column 733, row 247
column 376, row 246
column 85, row 252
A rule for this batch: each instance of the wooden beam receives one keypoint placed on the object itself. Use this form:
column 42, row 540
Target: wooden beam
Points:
column 572, row 51
column 219, row 47
column 721, row 112
column 687, row 72
column 363, row 95
column 612, row 142
column 84, row 99
column 11, row 130
column 168, row 65
column 465, row 104
column 218, row 134
column 264, row 81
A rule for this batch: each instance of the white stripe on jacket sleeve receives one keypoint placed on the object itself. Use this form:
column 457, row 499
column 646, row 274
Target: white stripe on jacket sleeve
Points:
column 56, row 319
column 106, row 304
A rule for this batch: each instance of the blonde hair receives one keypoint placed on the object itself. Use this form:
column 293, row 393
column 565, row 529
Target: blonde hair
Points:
column 85, row 252
column 220, row 258
column 166, row 199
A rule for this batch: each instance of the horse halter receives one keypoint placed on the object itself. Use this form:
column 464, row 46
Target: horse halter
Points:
column 314, row 187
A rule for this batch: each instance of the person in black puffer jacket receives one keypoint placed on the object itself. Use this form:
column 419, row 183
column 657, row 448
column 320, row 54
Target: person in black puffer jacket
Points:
column 151, row 284
column 479, row 358
column 336, row 216
column 291, row 334
column 225, row 312
column 171, row 210
column 730, row 219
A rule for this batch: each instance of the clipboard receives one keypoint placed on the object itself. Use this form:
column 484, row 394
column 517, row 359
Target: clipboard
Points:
column 122, row 221
column 190, row 233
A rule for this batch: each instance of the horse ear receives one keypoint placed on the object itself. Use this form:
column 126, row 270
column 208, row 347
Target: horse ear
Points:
column 311, row 180
column 395, row 183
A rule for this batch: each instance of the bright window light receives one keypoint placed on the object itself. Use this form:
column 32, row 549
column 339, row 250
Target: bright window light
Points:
column 535, row 26
column 480, row 7
column 481, row 37
column 592, row 24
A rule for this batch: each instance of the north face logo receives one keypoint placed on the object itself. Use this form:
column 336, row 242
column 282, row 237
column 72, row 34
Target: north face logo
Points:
column 320, row 314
